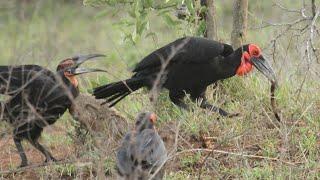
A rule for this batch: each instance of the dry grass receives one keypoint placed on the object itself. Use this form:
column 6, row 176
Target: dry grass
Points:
column 245, row 147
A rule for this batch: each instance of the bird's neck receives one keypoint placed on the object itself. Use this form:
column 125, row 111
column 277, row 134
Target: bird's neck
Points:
column 143, row 127
column 69, row 79
column 71, row 83
column 230, row 64
column 73, row 80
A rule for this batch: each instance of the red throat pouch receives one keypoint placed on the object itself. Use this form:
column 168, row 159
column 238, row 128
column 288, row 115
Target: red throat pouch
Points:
column 245, row 66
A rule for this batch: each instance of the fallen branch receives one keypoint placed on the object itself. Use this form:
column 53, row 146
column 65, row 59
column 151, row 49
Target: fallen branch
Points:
column 237, row 154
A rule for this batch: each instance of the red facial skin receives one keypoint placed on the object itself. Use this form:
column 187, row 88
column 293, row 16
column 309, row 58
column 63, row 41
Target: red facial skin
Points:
column 153, row 118
column 246, row 65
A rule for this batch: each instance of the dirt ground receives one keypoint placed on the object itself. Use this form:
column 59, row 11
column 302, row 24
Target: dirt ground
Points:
column 10, row 158
column 188, row 151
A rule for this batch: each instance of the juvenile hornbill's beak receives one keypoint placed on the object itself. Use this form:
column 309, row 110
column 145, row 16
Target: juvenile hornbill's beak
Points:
column 263, row 66
column 76, row 69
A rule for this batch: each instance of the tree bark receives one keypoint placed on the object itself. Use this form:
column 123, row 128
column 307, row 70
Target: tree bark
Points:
column 240, row 16
column 313, row 8
column 211, row 28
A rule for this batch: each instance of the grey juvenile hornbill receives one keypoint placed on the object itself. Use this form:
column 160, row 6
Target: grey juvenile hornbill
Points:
column 142, row 153
column 189, row 69
column 38, row 97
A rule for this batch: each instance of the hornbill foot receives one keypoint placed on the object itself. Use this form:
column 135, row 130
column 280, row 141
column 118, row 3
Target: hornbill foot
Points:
column 219, row 110
column 231, row 115
column 226, row 114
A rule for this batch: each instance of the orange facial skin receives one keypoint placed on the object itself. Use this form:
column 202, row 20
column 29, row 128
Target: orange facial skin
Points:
column 153, row 117
column 72, row 78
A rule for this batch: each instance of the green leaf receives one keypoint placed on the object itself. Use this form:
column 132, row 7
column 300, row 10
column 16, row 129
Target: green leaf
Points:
column 137, row 8
column 201, row 28
column 190, row 6
column 129, row 38
column 140, row 27
column 143, row 15
column 124, row 23
column 147, row 3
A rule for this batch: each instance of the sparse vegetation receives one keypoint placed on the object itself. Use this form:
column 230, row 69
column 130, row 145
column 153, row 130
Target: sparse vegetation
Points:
column 251, row 146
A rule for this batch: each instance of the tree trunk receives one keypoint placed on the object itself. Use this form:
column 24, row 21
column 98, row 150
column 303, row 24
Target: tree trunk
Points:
column 211, row 28
column 313, row 8
column 240, row 16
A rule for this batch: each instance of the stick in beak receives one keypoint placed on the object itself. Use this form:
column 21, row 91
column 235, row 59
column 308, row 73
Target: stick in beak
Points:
column 263, row 66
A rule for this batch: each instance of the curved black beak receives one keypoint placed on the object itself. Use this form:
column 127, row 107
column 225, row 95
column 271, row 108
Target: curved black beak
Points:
column 263, row 66
column 76, row 70
column 83, row 58
column 81, row 70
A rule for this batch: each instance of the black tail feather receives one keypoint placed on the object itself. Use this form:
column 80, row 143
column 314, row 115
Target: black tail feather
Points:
column 119, row 99
column 115, row 92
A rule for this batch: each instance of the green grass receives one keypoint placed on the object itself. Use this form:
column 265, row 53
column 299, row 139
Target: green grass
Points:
column 50, row 31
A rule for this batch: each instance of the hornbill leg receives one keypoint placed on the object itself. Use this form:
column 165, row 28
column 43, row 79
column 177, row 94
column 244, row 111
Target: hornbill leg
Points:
column 205, row 105
column 177, row 99
column 24, row 161
column 46, row 153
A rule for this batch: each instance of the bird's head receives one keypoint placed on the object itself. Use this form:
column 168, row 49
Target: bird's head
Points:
column 71, row 67
column 252, row 56
column 145, row 120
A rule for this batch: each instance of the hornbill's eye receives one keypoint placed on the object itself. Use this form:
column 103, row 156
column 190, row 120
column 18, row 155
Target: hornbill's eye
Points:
column 65, row 64
column 255, row 53
column 254, row 50
column 68, row 72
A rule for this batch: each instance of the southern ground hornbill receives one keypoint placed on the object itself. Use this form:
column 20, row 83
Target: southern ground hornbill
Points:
column 142, row 153
column 38, row 97
column 188, row 65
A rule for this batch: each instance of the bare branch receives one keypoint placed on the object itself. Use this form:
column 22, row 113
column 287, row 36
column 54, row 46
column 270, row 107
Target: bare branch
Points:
column 279, row 5
column 238, row 154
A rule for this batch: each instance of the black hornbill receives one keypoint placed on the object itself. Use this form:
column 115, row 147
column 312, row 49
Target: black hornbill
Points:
column 38, row 97
column 188, row 65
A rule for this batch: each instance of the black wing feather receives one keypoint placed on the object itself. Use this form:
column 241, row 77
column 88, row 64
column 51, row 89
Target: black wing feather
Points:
column 194, row 50
column 14, row 78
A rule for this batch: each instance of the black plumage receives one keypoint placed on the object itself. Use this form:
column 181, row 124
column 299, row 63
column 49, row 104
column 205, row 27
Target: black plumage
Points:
column 38, row 97
column 188, row 65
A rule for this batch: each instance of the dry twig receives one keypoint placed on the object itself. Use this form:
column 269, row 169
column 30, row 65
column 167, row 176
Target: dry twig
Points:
column 238, row 154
